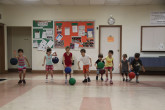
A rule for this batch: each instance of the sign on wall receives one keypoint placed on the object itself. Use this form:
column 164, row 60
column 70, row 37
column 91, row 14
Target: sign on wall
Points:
column 157, row 18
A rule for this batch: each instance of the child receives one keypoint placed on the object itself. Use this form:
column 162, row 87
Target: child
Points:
column 124, row 67
column 49, row 63
column 100, row 56
column 67, row 60
column 135, row 66
column 109, row 65
column 86, row 60
column 21, row 65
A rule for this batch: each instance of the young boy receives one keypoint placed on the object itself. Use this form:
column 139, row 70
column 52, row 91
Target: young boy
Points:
column 49, row 63
column 21, row 65
column 135, row 66
column 109, row 65
column 124, row 64
column 87, row 61
column 100, row 56
column 67, row 60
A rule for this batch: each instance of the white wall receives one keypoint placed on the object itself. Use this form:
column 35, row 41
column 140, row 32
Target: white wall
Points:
column 130, row 17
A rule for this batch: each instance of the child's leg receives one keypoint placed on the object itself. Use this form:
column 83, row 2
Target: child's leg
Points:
column 106, row 72
column 111, row 74
column 47, row 74
column 24, row 74
column 70, row 75
column 51, row 72
column 20, row 75
column 85, row 76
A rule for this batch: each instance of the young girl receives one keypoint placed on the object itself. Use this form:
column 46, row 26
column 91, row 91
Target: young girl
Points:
column 109, row 65
column 100, row 56
column 67, row 60
column 124, row 64
column 49, row 63
column 21, row 65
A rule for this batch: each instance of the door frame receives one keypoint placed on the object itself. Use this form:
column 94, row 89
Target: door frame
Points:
column 120, row 26
column 2, row 48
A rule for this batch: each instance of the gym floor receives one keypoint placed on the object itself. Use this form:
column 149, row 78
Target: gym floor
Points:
column 149, row 94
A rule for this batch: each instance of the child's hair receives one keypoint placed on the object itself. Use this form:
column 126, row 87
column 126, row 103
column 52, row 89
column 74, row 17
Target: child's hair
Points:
column 67, row 47
column 83, row 51
column 125, row 55
column 137, row 55
column 100, row 55
column 48, row 50
column 110, row 51
column 20, row 50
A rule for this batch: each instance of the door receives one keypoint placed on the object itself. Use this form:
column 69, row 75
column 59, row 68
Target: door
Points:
column 2, row 49
column 110, row 39
column 19, row 37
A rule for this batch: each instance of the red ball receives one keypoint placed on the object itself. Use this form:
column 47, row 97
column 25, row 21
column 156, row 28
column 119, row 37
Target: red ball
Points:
column 131, row 75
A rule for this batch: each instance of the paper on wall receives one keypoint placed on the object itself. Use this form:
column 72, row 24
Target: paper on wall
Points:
column 161, row 46
column 81, row 31
column 59, row 37
column 90, row 34
column 67, row 31
column 76, row 46
column 35, row 44
column 42, row 45
column 74, row 28
column 44, row 35
column 37, row 34
column 49, row 32
column 50, row 43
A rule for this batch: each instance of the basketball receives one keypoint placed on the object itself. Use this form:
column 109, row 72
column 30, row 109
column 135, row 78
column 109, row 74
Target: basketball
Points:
column 100, row 65
column 55, row 60
column 102, row 71
column 68, row 70
column 72, row 81
column 131, row 75
column 13, row 61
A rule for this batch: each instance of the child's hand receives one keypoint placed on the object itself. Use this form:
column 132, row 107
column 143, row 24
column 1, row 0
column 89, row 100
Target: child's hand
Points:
column 15, row 52
column 131, row 68
column 64, row 66
column 28, row 65
column 42, row 64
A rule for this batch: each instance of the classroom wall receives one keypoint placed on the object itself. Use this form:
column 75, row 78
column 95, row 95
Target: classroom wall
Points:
column 130, row 17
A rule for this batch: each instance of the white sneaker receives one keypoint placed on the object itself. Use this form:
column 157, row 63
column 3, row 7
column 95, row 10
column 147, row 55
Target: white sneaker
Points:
column 46, row 81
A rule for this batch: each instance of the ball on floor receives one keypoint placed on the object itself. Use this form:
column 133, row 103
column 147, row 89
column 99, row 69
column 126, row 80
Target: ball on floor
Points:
column 72, row 81
column 131, row 75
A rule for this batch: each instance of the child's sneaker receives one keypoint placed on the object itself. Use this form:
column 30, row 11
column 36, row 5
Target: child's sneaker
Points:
column 126, row 80
column 66, row 81
column 111, row 82
column 106, row 80
column 102, row 79
column 46, row 81
column 24, row 82
column 84, row 81
column 89, row 80
column 123, row 79
column 20, row 81
column 96, row 77
column 137, row 81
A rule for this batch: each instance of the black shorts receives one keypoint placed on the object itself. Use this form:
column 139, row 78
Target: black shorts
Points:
column 124, row 73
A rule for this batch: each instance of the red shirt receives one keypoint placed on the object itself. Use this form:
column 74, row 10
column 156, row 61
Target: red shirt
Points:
column 68, row 59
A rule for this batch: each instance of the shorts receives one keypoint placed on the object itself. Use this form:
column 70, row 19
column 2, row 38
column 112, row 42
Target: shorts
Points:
column 21, row 68
column 124, row 73
column 108, row 68
column 136, row 73
column 49, row 67
column 98, row 71
column 85, row 68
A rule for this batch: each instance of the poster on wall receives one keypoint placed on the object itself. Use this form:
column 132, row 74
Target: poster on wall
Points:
column 76, row 34
column 43, row 34
column 157, row 18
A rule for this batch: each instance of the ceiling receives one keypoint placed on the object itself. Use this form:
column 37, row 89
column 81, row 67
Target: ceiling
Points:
column 81, row 2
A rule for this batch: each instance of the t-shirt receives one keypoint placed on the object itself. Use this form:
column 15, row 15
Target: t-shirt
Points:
column 99, row 61
column 108, row 62
column 49, row 60
column 85, row 60
column 136, row 64
column 124, row 65
column 68, row 59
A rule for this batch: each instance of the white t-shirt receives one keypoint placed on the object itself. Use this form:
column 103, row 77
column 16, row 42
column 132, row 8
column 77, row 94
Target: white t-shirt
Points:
column 85, row 60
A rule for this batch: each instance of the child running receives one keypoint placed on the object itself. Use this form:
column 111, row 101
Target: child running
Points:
column 67, row 60
column 21, row 65
column 100, row 57
column 109, row 65
column 124, row 64
column 49, row 63
column 135, row 66
column 87, row 61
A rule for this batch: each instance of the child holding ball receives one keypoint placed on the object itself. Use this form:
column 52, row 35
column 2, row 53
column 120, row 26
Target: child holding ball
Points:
column 109, row 65
column 87, row 61
column 67, row 61
column 49, row 63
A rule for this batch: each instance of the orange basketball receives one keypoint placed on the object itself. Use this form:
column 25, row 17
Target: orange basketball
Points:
column 131, row 75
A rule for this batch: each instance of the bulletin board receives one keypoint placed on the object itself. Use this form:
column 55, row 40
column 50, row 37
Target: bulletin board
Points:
column 74, row 34
column 153, row 38
column 43, row 34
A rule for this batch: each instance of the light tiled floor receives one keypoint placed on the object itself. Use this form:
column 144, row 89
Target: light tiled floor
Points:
column 149, row 94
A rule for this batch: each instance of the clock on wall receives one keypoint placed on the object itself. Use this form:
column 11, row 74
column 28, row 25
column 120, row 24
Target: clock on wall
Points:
column 111, row 20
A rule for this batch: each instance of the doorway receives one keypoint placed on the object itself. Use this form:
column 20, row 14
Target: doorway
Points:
column 19, row 37
column 110, row 38
column 2, row 49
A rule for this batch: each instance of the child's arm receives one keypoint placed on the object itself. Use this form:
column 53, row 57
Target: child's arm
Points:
column 90, row 61
column 143, row 69
column 103, row 59
column 120, row 65
column 27, row 61
column 79, row 65
column 128, row 66
column 95, row 65
column 54, row 54
column 44, row 61
column 15, row 54
column 64, row 61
